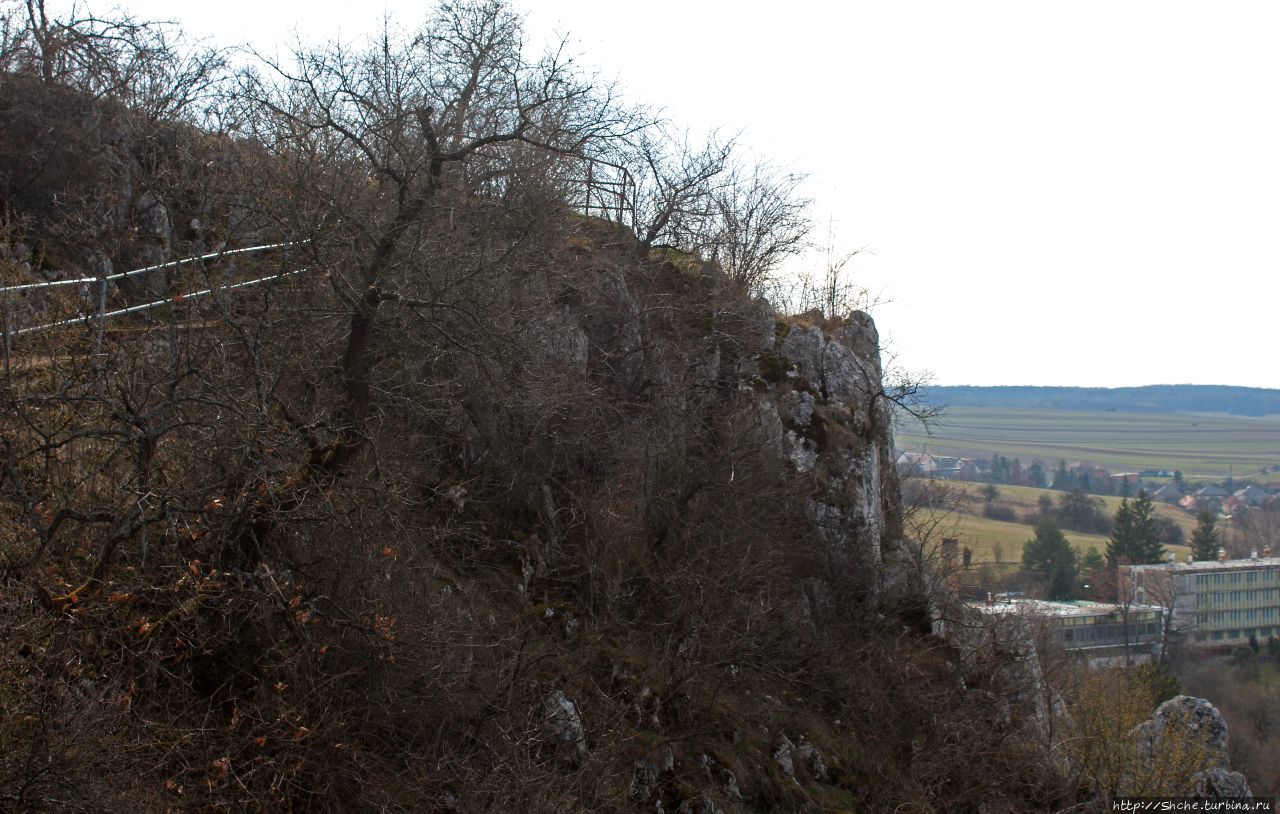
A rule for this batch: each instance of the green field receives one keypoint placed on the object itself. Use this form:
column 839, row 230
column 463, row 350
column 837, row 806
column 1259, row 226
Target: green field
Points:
column 999, row 541
column 1025, row 499
column 1202, row 446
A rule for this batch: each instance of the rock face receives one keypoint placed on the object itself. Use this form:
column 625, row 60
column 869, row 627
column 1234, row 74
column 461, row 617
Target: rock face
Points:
column 815, row 387
column 1202, row 722
column 844, row 367
column 1007, row 647
column 835, row 422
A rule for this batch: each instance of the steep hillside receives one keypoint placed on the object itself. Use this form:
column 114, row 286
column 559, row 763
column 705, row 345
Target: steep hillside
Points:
column 464, row 499
column 639, row 551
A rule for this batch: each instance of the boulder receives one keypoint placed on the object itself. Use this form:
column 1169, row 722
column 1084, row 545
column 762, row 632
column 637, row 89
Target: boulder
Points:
column 1197, row 715
column 1202, row 722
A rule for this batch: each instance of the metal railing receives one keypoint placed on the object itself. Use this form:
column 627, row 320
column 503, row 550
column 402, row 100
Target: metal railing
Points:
column 607, row 190
column 6, row 292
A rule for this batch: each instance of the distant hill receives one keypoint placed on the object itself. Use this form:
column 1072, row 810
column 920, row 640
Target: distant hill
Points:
column 1159, row 398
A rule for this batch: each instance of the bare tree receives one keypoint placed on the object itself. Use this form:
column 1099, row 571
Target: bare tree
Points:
column 451, row 110
column 745, row 217
column 759, row 220
column 675, row 184
column 147, row 66
column 1161, row 587
column 1257, row 530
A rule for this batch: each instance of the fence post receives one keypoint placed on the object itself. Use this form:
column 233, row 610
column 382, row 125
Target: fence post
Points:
column 8, row 347
column 102, row 314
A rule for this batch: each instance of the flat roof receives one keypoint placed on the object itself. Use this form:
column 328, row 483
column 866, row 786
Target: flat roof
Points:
column 1044, row 607
column 1259, row 564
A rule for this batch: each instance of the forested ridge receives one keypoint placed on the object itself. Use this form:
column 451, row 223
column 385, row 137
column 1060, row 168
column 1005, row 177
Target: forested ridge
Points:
column 1157, row 398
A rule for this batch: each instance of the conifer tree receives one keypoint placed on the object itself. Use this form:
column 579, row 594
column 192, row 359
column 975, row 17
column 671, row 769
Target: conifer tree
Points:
column 1135, row 538
column 1204, row 540
column 1052, row 557
column 1062, row 477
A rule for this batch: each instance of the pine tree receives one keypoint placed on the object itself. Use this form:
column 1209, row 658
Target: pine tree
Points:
column 1036, row 473
column 1135, row 538
column 1062, row 477
column 1120, row 544
column 1204, row 540
column 1150, row 549
column 1052, row 557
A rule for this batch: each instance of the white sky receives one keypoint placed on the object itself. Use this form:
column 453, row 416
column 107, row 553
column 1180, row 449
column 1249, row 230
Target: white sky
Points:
column 1083, row 193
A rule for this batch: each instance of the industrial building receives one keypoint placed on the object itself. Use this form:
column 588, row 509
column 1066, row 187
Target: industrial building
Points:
column 1103, row 633
column 1216, row 602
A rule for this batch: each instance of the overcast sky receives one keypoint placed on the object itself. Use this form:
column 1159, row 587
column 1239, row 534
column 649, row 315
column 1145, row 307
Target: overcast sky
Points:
column 1083, row 193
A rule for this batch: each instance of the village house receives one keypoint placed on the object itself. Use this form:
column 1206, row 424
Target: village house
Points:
column 1253, row 495
column 1168, row 493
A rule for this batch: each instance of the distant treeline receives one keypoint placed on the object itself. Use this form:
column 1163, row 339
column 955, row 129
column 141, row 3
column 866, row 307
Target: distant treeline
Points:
column 1159, row 398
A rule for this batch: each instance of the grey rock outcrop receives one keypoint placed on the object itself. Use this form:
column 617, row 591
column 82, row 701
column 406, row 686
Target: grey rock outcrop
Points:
column 1196, row 716
column 798, row 406
column 836, row 421
column 563, row 729
column 1200, row 721
column 812, row 760
column 784, row 756
column 845, row 367
column 769, row 426
column 801, row 451
column 704, row 805
column 802, row 347
column 154, row 232
column 763, row 319
column 558, row 337
column 1218, row 783
column 649, row 772
column 723, row 777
